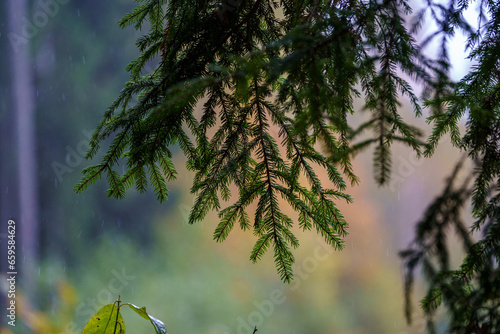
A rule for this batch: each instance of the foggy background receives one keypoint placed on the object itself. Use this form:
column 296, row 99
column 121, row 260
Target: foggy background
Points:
column 60, row 69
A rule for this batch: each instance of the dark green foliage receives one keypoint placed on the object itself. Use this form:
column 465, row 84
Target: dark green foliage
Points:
column 254, row 67
column 470, row 294
column 230, row 74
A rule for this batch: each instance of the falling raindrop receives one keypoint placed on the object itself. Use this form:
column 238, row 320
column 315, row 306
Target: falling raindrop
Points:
column 55, row 183
column 78, row 11
column 83, row 58
column 6, row 190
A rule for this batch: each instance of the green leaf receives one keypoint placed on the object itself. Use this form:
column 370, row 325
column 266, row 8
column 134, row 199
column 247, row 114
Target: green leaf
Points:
column 157, row 324
column 105, row 321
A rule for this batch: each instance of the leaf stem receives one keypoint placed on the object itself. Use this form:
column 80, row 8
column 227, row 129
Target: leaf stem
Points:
column 117, row 313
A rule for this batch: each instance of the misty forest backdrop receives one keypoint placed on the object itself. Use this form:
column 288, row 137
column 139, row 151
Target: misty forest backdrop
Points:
column 88, row 249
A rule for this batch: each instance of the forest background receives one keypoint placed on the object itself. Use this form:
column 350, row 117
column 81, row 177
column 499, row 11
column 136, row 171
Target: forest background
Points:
column 89, row 249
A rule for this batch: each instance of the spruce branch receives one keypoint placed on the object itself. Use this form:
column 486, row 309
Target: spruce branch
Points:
column 230, row 75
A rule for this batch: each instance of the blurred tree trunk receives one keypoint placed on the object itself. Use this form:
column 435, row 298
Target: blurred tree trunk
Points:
column 8, row 185
column 23, row 106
